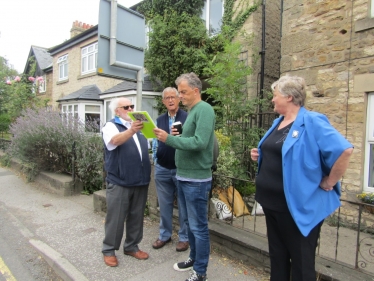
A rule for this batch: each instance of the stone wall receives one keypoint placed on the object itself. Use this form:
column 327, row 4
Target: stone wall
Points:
column 75, row 80
column 253, row 27
column 331, row 44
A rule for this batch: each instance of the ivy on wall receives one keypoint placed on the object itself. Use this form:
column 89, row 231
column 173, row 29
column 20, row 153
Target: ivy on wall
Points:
column 234, row 17
column 179, row 42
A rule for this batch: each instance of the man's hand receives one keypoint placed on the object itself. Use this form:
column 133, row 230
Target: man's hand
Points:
column 136, row 126
column 160, row 134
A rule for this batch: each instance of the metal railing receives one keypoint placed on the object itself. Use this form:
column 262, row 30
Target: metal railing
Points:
column 348, row 241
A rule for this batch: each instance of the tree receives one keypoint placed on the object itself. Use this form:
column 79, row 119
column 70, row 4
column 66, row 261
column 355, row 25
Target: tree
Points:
column 177, row 44
column 150, row 8
column 18, row 92
column 7, row 73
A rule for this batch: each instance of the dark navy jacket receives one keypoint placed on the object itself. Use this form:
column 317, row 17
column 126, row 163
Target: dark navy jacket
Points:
column 123, row 164
column 166, row 154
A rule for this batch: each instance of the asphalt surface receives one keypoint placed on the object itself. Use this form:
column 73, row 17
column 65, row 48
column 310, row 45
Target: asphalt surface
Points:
column 68, row 234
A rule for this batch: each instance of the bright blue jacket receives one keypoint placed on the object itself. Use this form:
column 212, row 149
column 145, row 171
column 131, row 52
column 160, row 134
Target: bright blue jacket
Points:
column 308, row 154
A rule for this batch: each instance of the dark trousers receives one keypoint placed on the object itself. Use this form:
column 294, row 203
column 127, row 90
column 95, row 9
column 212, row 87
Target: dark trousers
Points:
column 124, row 203
column 291, row 254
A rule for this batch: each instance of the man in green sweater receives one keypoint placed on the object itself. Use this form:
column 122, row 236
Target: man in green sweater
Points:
column 193, row 158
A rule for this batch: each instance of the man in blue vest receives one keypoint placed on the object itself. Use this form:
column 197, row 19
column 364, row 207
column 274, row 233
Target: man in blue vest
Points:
column 165, row 170
column 128, row 175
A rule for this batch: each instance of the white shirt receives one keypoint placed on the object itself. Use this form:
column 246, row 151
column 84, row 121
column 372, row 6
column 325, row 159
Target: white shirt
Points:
column 110, row 130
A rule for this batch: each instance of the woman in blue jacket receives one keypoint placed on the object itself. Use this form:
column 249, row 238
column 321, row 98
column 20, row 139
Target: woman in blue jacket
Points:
column 301, row 159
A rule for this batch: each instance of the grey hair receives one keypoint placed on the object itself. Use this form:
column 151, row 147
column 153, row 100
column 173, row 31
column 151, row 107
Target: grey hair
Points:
column 114, row 104
column 170, row 89
column 192, row 80
column 293, row 86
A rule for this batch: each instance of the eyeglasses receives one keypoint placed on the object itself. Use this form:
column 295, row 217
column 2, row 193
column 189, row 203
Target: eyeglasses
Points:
column 126, row 107
column 170, row 98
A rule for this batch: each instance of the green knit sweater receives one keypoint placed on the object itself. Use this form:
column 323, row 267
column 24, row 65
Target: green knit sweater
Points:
column 194, row 148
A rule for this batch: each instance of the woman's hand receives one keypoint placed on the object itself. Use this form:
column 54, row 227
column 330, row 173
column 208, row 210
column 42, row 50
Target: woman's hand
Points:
column 254, row 154
column 325, row 185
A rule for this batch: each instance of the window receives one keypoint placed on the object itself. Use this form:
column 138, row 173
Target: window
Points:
column 42, row 84
column 369, row 147
column 70, row 114
column 62, row 68
column 89, row 58
column 212, row 15
column 92, row 117
column 372, row 9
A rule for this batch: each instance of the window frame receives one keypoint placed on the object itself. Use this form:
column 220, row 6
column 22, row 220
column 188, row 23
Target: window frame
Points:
column 85, row 58
column 369, row 143
column 43, row 85
column 371, row 9
column 63, row 68
column 206, row 16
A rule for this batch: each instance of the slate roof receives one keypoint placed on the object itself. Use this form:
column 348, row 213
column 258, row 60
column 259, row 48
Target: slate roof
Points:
column 128, row 85
column 42, row 56
column 90, row 92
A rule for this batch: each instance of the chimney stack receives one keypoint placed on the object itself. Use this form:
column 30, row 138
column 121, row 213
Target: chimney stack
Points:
column 79, row 27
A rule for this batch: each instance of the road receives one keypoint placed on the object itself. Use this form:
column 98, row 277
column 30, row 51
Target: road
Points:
column 18, row 259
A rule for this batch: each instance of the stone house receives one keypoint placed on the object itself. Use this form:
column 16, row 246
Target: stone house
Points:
column 331, row 45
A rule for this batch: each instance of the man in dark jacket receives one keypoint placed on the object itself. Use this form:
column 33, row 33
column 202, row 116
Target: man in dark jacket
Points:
column 128, row 175
column 165, row 169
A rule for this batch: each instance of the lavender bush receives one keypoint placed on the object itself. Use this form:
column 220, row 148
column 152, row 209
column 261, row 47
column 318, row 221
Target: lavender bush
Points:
column 44, row 140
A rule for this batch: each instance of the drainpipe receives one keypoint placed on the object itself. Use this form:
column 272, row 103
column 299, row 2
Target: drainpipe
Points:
column 112, row 57
column 262, row 72
column 281, row 31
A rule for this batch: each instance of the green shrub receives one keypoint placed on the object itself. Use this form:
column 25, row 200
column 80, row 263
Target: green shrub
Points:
column 4, row 122
column 49, row 140
column 5, row 160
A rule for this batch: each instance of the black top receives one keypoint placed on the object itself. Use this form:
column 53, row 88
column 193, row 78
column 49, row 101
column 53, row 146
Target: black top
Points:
column 165, row 154
column 269, row 181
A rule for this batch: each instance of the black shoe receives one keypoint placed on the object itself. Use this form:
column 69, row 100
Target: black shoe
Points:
column 196, row 277
column 184, row 265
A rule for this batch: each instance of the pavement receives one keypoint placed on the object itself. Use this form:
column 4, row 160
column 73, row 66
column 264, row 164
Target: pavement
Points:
column 68, row 234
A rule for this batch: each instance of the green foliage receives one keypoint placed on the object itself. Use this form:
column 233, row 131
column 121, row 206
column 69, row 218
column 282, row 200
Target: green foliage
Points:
column 227, row 162
column 177, row 44
column 30, row 169
column 366, row 197
column 4, row 122
column 178, row 40
column 234, row 18
column 89, row 161
column 6, row 73
column 53, row 141
column 228, row 87
column 18, row 95
column 5, row 160
column 150, row 8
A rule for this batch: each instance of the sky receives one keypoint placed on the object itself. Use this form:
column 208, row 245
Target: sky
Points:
column 43, row 23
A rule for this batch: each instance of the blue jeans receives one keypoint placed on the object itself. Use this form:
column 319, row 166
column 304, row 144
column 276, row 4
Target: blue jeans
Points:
column 193, row 204
column 166, row 186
